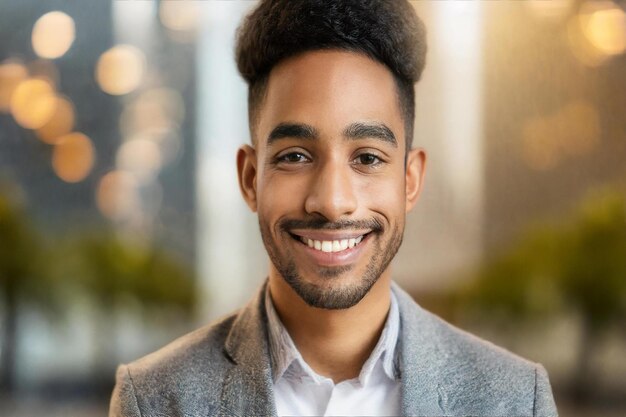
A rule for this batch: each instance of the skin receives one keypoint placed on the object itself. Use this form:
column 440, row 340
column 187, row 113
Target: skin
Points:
column 326, row 184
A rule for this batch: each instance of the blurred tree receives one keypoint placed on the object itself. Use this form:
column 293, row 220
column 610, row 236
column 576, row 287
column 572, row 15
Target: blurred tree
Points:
column 23, row 278
column 593, row 274
column 521, row 282
column 580, row 265
column 114, row 272
column 110, row 271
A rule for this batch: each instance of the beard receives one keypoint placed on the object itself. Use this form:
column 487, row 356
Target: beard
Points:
column 332, row 295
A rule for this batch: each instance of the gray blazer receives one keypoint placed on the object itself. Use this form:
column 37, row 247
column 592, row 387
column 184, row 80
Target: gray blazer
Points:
column 224, row 369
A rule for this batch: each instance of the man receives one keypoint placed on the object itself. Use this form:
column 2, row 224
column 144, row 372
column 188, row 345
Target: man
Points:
column 331, row 173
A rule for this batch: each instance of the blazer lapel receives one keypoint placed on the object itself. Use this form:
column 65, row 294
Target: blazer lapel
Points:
column 421, row 360
column 248, row 385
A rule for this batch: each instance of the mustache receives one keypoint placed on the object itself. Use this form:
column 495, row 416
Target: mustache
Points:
column 322, row 224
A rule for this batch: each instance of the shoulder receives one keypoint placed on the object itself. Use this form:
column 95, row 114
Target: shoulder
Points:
column 189, row 370
column 488, row 377
column 481, row 361
column 187, row 352
column 472, row 375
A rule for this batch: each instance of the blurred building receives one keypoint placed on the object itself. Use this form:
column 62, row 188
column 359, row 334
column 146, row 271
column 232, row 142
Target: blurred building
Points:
column 111, row 121
column 28, row 161
column 100, row 139
column 553, row 101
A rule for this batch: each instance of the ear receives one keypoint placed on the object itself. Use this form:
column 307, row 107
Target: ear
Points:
column 246, row 171
column 415, row 167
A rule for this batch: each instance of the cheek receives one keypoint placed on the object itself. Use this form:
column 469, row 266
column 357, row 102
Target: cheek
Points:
column 280, row 195
column 384, row 194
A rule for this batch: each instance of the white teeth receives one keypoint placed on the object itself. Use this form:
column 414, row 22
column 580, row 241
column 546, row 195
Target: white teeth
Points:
column 332, row 245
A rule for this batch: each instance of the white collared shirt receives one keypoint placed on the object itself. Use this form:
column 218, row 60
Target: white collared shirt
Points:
column 300, row 391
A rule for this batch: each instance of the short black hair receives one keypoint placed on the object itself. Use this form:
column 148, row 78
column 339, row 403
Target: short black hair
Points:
column 387, row 31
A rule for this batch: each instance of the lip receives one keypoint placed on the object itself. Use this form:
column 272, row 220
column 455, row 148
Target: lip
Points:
column 329, row 235
column 344, row 257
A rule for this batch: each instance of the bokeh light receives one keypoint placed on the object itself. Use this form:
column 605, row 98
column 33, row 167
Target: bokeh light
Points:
column 605, row 27
column 597, row 33
column 117, row 196
column 580, row 46
column 141, row 157
column 572, row 131
column 180, row 16
column 61, row 122
column 33, row 103
column 12, row 73
column 73, row 157
column 154, row 110
column 53, row 35
column 120, row 70
column 580, row 127
column 539, row 149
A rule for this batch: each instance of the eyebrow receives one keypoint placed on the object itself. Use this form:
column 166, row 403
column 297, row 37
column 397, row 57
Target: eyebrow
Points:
column 375, row 130
column 292, row 130
column 357, row 130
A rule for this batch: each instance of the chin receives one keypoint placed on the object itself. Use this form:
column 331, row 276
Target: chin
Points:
column 331, row 288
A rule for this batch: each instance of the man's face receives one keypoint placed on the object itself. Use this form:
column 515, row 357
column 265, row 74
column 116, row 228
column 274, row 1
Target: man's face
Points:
column 327, row 175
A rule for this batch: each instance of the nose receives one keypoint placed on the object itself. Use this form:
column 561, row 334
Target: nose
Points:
column 331, row 192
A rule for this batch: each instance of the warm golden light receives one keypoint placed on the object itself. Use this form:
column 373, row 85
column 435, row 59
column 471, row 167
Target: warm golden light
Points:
column 12, row 73
column 53, row 35
column 73, row 157
column 120, row 69
column 154, row 110
column 117, row 195
column 539, row 148
column 580, row 46
column 580, row 124
column 182, row 15
column 549, row 9
column 61, row 122
column 33, row 103
column 142, row 157
column 606, row 29
column 572, row 131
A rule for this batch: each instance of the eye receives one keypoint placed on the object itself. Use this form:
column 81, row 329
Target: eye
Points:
column 367, row 159
column 292, row 158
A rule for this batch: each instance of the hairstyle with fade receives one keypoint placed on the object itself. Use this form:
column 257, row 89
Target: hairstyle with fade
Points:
column 387, row 31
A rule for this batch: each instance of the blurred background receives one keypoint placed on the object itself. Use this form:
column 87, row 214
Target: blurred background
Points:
column 122, row 227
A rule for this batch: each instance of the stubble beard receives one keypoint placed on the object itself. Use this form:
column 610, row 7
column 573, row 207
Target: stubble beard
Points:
column 331, row 296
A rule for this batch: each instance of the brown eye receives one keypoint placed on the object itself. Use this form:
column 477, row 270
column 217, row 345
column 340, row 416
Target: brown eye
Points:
column 368, row 159
column 293, row 157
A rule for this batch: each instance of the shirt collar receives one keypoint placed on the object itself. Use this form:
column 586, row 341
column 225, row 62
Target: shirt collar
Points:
column 287, row 361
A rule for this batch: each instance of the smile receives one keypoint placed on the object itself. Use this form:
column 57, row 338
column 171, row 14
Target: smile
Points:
column 331, row 245
column 331, row 248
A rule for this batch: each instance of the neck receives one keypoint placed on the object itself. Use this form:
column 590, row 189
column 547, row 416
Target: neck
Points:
column 334, row 343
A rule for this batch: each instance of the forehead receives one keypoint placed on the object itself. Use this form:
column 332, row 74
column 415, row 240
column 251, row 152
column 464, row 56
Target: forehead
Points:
column 330, row 90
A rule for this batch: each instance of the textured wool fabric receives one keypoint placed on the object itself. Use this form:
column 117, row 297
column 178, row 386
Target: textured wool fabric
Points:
column 224, row 369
